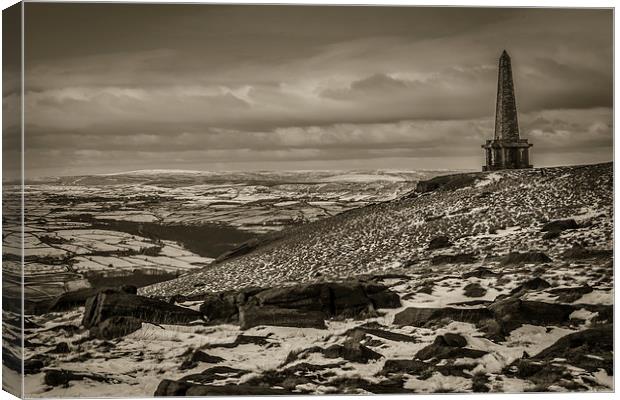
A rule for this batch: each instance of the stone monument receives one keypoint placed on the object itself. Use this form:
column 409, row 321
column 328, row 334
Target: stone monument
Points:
column 506, row 150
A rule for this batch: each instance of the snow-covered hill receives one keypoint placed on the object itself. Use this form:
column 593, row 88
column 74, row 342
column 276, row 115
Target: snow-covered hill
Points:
column 478, row 282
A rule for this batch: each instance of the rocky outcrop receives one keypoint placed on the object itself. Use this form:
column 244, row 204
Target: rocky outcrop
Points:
column 445, row 183
column 480, row 272
column 525, row 286
column 115, row 327
column 532, row 284
column 223, row 308
column 462, row 258
column 352, row 350
column 107, row 304
column 382, row 333
column 411, row 367
column 448, row 346
column 57, row 377
column 530, row 257
column 474, row 290
column 560, row 225
column 571, row 294
column 253, row 315
column 199, row 356
column 201, row 385
column 32, row 365
column 169, row 387
column 512, row 312
column 588, row 350
column 439, row 242
column 578, row 252
column 234, row 390
column 427, row 317
column 500, row 317
column 551, row 235
column 78, row 298
column 302, row 305
column 311, row 297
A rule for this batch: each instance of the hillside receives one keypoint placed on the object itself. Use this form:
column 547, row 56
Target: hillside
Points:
column 476, row 282
column 489, row 214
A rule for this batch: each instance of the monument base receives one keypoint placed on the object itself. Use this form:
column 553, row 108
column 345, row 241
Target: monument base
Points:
column 507, row 154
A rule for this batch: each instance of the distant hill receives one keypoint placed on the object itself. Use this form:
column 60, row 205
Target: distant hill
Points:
column 485, row 214
column 178, row 178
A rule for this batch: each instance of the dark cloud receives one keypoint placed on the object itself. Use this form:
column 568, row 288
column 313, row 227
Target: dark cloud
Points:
column 111, row 86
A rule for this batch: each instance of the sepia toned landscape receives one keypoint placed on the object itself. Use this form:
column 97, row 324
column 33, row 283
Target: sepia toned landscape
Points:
column 214, row 200
column 498, row 281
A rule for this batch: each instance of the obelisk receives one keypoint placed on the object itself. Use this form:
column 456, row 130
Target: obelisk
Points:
column 506, row 123
column 507, row 150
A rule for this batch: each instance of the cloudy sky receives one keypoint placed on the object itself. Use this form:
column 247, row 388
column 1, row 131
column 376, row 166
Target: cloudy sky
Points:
column 122, row 87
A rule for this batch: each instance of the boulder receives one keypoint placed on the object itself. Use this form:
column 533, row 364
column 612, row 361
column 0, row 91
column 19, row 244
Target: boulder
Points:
column 439, row 242
column 115, row 327
column 480, row 272
column 350, row 300
column 479, row 383
column 290, row 377
column 411, row 367
column 590, row 349
column 448, row 348
column 531, row 284
column 57, row 377
column 474, row 290
column 201, row 356
column 242, row 339
column 384, row 299
column 513, row 312
column 78, row 298
column 382, row 333
column 578, row 252
column 605, row 313
column 571, row 294
column 308, row 297
column 535, row 284
column 353, row 385
column 107, row 304
column 70, row 300
column 551, row 235
column 454, row 340
column 213, row 374
column 168, row 387
column 130, row 289
column 220, row 308
column 530, row 257
column 426, row 317
column 560, row 225
column 426, row 288
column 198, row 357
column 352, row 350
column 462, row 258
column 344, row 299
column 251, row 316
column 234, row 390
column 61, row 348
column 301, row 305
column 33, row 365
